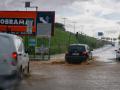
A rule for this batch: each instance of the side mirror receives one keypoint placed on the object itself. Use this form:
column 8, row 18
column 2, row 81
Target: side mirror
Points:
column 26, row 51
column 91, row 49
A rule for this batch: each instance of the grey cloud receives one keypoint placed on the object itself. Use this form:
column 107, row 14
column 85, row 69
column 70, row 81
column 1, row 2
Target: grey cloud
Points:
column 117, row 0
column 11, row 4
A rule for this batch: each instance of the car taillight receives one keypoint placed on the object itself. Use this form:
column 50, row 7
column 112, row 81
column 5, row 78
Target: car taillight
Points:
column 14, row 55
column 14, row 61
column 85, row 53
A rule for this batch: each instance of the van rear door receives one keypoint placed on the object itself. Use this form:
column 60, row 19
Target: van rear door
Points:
column 5, row 54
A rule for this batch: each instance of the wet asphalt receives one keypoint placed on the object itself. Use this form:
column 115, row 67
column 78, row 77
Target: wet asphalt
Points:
column 103, row 73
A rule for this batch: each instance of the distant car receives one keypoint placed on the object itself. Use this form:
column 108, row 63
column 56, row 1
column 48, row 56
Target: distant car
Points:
column 13, row 59
column 118, row 54
column 112, row 44
column 78, row 53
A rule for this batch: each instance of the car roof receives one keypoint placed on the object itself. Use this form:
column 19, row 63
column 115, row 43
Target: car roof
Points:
column 10, row 35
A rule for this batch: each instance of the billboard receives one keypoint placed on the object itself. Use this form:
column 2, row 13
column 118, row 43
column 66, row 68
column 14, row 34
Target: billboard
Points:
column 18, row 22
column 45, row 23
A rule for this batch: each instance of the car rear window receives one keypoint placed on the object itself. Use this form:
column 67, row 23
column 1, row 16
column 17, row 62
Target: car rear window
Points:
column 76, row 48
column 4, row 45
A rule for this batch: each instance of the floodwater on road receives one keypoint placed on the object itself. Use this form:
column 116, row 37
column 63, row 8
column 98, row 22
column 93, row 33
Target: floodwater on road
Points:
column 100, row 74
column 106, row 54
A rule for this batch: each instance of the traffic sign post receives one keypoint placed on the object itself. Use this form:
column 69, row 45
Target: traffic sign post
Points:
column 45, row 26
column 32, row 43
column 45, row 23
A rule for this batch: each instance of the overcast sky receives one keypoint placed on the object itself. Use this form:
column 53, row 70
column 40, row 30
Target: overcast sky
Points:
column 91, row 16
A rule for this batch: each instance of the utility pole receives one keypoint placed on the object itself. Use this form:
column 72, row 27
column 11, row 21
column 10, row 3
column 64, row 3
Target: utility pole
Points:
column 82, row 27
column 74, row 27
column 64, row 20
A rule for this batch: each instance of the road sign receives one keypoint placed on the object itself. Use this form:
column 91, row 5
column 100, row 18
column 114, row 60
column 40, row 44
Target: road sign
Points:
column 32, row 42
column 27, row 4
column 44, row 20
column 45, row 23
column 100, row 33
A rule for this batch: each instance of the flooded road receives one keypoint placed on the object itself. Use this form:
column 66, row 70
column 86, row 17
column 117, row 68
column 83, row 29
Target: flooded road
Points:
column 100, row 74
column 106, row 54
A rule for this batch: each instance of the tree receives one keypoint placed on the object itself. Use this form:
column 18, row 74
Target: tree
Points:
column 60, row 25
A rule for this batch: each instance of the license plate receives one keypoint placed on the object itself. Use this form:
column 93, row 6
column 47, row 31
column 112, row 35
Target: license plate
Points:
column 75, row 54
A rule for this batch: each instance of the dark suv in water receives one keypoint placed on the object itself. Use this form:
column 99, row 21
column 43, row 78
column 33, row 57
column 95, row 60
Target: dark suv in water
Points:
column 78, row 53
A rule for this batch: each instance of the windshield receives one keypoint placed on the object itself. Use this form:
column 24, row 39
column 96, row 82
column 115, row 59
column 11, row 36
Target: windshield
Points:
column 76, row 48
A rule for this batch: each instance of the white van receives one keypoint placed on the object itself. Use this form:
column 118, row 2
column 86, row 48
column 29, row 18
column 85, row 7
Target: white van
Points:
column 13, row 59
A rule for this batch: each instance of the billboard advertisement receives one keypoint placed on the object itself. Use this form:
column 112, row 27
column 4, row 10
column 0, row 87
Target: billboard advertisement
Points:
column 18, row 22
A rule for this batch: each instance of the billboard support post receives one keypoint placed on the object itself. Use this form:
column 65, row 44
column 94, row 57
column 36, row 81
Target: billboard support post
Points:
column 49, row 47
column 36, row 30
column 45, row 27
column 27, row 5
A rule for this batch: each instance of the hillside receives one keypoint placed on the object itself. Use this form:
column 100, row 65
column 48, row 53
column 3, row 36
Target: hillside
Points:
column 62, row 38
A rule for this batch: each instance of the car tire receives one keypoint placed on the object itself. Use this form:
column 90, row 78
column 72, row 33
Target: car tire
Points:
column 67, row 61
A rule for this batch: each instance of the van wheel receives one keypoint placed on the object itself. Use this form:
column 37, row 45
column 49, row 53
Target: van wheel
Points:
column 20, row 74
column 27, row 70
